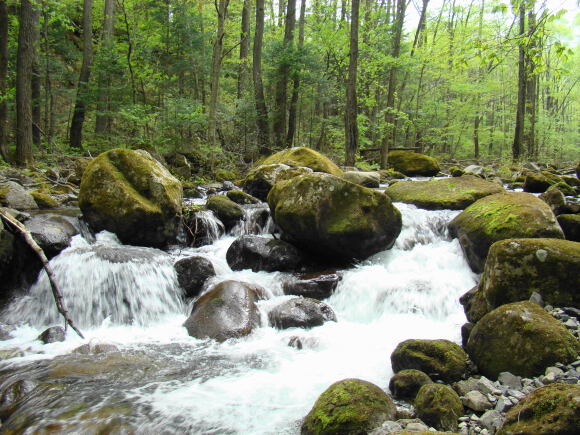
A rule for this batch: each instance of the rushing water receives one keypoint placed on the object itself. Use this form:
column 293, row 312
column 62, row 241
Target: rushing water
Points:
column 258, row 384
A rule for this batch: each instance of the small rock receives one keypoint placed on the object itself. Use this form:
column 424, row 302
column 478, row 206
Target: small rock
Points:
column 53, row 334
column 512, row 381
column 537, row 299
column 387, row 427
column 503, row 404
column 477, row 401
column 555, row 370
column 571, row 324
column 416, row 427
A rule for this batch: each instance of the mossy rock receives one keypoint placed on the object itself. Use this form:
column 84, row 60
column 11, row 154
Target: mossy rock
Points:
column 225, row 175
column 551, row 410
column 448, row 193
column 261, row 179
column 334, row 218
column 391, row 174
column 515, row 268
column 474, row 304
column 439, row 359
column 502, row 216
column 570, row 224
column 571, row 181
column 366, row 179
column 349, row 407
column 412, row 164
column 132, row 195
column 6, row 248
column 563, row 187
column 44, row 200
column 456, row 171
column 240, row 197
column 406, row 384
column 226, row 210
column 439, row 406
column 304, row 157
column 536, row 182
column 520, row 338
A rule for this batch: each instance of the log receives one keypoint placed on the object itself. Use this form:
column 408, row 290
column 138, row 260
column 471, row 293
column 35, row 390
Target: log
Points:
column 58, row 298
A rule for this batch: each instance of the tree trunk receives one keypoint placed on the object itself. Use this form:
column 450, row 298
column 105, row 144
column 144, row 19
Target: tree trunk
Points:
column 531, row 87
column 281, row 93
column 49, row 101
column 3, row 74
column 103, row 121
column 519, row 130
column 24, row 66
column 476, row 122
column 76, row 127
column 296, row 80
column 261, row 110
column 35, row 85
column 244, row 49
column 351, row 126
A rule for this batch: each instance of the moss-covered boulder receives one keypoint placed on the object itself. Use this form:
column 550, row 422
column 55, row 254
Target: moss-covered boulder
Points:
column 563, row 187
column 349, row 407
column 261, row 179
column 439, row 406
column 15, row 196
column 551, row 410
column 412, row 164
column 339, row 220
column 440, row 359
column 132, row 195
column 536, row 182
column 515, row 268
column 474, row 304
column 448, row 193
column 520, row 338
column 570, row 224
column 366, row 179
column 241, row 197
column 456, row 171
column 502, row 216
column 304, row 157
column 226, row 210
column 228, row 310
column 406, row 384
column 44, row 200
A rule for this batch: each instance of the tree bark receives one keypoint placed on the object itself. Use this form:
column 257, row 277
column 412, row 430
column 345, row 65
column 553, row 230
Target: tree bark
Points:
column 3, row 75
column 103, row 121
column 351, row 126
column 296, row 80
column 244, row 49
column 281, row 94
column 261, row 109
column 76, row 127
column 531, row 87
column 520, row 112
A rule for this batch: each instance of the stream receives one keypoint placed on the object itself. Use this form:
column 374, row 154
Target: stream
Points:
column 163, row 381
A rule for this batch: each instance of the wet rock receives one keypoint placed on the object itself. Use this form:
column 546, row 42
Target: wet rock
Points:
column 241, row 198
column 95, row 348
column 226, row 210
column 303, row 342
column 13, row 394
column 412, row 164
column 570, row 224
column 52, row 232
column 132, row 195
column 448, row 193
column 6, row 249
column 499, row 217
column 13, row 195
column 193, row 273
column 338, row 220
column 261, row 179
column 304, row 157
column 466, row 329
column 456, row 171
column 536, row 182
column 53, row 334
column 263, row 254
column 300, row 313
column 550, row 410
column 439, row 406
column 406, row 384
column 202, row 227
column 365, row 179
column 555, row 199
column 315, row 286
column 520, row 338
column 440, row 359
column 476, row 401
column 228, row 310
column 10, row 353
column 350, row 406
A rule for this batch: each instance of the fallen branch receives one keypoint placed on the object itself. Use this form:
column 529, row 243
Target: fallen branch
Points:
column 58, row 298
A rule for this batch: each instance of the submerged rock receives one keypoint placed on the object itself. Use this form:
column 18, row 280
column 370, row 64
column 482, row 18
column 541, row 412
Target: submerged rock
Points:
column 263, row 253
column 448, row 193
column 349, row 407
column 498, row 217
column 53, row 334
column 405, row 384
column 338, row 220
column 226, row 311
column 300, row 313
column 317, row 286
column 192, row 274
column 520, row 338
column 132, row 195
column 439, row 406
column 304, row 157
column 411, row 164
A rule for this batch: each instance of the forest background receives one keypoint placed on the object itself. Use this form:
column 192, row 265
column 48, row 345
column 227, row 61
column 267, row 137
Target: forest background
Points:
column 225, row 82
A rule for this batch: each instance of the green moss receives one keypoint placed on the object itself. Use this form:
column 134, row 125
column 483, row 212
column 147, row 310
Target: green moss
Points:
column 44, row 200
column 439, row 406
column 303, row 156
column 240, row 197
column 225, row 175
column 226, row 210
column 412, row 164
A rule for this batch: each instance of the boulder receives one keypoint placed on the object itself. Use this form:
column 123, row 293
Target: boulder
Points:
column 520, row 338
column 439, row 406
column 555, row 199
column 261, row 179
column 447, row 193
column 536, row 182
column 15, row 196
column 406, row 384
column 132, row 195
column 570, row 224
column 456, row 171
column 228, row 310
column 317, row 285
column 304, row 157
column 412, row 164
column 193, row 273
column 201, row 227
column 440, row 359
column 366, row 179
column 300, row 313
column 52, row 232
column 476, row 170
column 563, row 187
column 502, row 216
column 226, row 210
column 551, row 410
column 263, row 254
column 241, row 198
column 349, row 407
column 516, row 268
column 53, row 334
column 329, row 216
column 474, row 305
column 44, row 200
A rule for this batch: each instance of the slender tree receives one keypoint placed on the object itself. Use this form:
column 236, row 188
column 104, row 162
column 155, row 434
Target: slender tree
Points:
column 260, row 100
column 103, row 121
column 35, row 85
column 76, row 127
column 520, row 111
column 3, row 74
column 296, row 80
column 244, row 48
column 351, row 125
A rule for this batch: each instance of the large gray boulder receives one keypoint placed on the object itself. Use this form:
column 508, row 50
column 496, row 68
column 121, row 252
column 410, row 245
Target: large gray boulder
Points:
column 263, row 253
